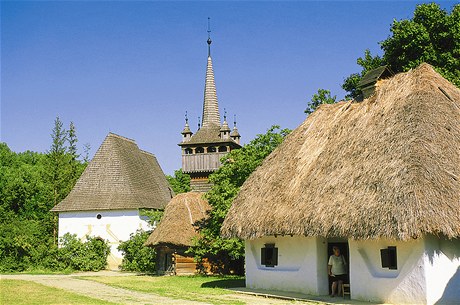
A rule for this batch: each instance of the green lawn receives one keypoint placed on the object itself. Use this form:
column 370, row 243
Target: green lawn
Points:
column 208, row 289
column 20, row 292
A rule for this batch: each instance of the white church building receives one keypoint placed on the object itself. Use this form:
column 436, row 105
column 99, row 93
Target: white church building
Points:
column 105, row 202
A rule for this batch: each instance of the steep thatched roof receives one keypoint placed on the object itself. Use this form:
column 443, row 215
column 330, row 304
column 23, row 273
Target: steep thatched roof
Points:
column 176, row 227
column 120, row 176
column 387, row 167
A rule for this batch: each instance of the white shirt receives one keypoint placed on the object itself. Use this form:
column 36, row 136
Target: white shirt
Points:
column 338, row 265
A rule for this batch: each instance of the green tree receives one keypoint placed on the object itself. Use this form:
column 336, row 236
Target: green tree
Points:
column 73, row 153
column 225, row 254
column 432, row 35
column 322, row 97
column 86, row 149
column 58, row 170
column 368, row 62
column 29, row 185
column 180, row 183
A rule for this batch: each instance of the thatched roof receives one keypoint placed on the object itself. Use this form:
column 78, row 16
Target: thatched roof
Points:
column 120, row 176
column 176, row 227
column 388, row 167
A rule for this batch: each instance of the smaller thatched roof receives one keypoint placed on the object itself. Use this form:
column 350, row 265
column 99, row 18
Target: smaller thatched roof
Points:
column 120, row 176
column 388, row 167
column 176, row 227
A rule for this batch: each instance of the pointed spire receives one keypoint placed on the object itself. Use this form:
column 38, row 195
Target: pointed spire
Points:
column 186, row 130
column 225, row 124
column 210, row 103
column 235, row 135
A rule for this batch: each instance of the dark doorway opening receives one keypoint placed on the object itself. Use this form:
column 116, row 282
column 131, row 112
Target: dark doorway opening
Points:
column 343, row 246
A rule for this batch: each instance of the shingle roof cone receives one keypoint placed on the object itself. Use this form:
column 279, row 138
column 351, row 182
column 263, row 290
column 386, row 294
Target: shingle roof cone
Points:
column 388, row 167
column 224, row 126
column 120, row 176
column 210, row 104
column 186, row 129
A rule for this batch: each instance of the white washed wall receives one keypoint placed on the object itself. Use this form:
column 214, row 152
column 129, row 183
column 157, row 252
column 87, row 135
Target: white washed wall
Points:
column 370, row 282
column 114, row 226
column 442, row 270
column 428, row 269
column 302, row 265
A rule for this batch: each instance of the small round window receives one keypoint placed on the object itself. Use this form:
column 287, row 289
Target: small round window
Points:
column 98, row 216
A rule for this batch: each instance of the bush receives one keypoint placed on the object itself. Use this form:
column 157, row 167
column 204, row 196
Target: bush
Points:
column 88, row 256
column 136, row 256
column 25, row 244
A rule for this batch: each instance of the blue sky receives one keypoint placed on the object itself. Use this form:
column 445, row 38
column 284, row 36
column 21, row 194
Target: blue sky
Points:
column 134, row 68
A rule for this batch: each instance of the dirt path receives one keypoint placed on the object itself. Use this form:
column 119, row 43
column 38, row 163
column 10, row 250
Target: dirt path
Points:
column 123, row 296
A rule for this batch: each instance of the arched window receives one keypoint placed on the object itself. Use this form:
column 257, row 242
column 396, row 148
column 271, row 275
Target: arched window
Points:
column 222, row 148
column 211, row 149
column 199, row 150
column 188, row 151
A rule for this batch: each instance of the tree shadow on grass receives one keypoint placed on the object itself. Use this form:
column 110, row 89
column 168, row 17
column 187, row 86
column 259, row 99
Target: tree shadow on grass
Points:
column 225, row 283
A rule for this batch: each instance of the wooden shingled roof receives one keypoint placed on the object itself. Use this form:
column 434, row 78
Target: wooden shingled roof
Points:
column 120, row 176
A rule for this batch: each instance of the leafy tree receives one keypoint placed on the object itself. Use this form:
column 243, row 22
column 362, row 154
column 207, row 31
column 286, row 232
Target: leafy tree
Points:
column 322, row 97
column 153, row 216
column 180, row 183
column 29, row 183
column 432, row 35
column 136, row 256
column 225, row 254
column 368, row 62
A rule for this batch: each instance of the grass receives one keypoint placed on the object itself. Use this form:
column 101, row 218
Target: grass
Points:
column 20, row 292
column 208, row 289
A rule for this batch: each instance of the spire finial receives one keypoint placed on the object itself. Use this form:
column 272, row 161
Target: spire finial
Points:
column 234, row 120
column 209, row 37
column 199, row 124
column 225, row 114
column 186, row 117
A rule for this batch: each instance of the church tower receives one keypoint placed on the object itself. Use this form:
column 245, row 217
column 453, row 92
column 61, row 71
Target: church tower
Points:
column 202, row 151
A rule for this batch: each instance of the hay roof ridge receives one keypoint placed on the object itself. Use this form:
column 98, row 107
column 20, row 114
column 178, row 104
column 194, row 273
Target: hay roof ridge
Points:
column 176, row 228
column 384, row 168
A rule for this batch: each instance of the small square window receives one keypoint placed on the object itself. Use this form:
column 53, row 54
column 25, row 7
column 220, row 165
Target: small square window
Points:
column 389, row 258
column 269, row 255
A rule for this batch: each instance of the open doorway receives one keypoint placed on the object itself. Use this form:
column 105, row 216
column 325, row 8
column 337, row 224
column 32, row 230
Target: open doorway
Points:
column 343, row 246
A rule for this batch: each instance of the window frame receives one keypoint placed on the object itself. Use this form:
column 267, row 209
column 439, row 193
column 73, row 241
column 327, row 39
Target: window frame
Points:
column 269, row 255
column 389, row 258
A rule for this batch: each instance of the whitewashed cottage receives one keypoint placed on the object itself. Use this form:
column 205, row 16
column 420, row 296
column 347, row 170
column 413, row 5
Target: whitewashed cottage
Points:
column 120, row 180
column 380, row 179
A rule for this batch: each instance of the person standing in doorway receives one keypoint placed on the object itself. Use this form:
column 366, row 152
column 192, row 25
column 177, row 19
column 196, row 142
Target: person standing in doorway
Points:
column 337, row 270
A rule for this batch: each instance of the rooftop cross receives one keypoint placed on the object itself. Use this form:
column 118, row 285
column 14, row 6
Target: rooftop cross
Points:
column 209, row 37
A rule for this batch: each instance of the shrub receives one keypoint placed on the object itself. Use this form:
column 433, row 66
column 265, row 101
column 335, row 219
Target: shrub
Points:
column 88, row 256
column 136, row 256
